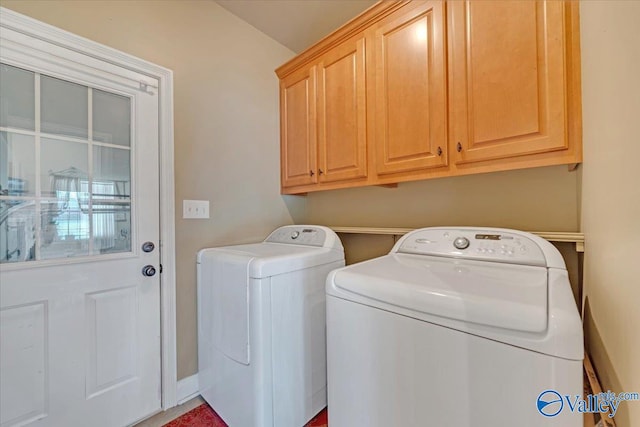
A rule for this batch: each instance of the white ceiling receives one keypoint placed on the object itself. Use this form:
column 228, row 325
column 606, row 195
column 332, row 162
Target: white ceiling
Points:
column 297, row 24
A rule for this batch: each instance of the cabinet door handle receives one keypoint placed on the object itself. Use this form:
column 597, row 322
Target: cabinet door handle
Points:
column 439, row 151
column 311, row 173
column 320, row 172
column 459, row 147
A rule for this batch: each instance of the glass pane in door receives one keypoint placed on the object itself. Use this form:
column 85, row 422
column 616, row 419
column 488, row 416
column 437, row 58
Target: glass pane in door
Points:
column 111, row 227
column 111, row 167
column 63, row 108
column 64, row 166
column 17, row 165
column 64, row 231
column 17, row 230
column 111, row 118
column 17, row 98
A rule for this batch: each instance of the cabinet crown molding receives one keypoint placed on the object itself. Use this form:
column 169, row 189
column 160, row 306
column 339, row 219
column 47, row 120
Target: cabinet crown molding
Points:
column 357, row 24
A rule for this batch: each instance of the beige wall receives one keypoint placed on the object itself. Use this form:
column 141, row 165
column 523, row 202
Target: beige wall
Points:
column 540, row 199
column 611, row 194
column 226, row 120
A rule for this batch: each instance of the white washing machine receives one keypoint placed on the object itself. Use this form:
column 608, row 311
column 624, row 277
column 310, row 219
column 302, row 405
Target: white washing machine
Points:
column 454, row 327
column 261, row 326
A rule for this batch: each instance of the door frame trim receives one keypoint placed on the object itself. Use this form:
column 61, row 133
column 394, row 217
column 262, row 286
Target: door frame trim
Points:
column 40, row 30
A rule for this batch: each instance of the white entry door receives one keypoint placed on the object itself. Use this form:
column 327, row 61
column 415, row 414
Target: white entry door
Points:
column 79, row 221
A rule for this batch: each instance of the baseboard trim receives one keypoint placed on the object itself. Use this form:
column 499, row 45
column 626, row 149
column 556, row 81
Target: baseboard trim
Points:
column 188, row 388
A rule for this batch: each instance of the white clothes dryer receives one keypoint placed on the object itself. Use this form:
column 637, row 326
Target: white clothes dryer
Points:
column 261, row 326
column 454, row 327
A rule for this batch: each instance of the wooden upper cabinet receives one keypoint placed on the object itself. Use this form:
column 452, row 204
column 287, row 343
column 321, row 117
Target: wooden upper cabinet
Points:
column 342, row 117
column 421, row 89
column 410, row 89
column 298, row 142
column 507, row 79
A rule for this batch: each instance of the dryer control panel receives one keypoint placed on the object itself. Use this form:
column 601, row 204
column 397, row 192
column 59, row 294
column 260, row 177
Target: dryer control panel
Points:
column 306, row 235
column 482, row 244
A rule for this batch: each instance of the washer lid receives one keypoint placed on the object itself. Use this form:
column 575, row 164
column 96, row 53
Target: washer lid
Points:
column 496, row 294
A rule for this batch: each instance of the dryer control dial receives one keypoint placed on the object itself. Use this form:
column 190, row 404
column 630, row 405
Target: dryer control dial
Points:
column 461, row 243
column 295, row 234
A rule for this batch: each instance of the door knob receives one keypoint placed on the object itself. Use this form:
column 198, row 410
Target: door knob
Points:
column 148, row 270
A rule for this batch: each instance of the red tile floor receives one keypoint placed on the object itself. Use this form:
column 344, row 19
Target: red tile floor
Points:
column 204, row 416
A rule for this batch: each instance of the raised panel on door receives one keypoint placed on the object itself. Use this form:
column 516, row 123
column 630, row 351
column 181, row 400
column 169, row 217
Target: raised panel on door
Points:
column 508, row 78
column 111, row 318
column 342, row 133
column 23, row 362
column 298, row 128
column 410, row 101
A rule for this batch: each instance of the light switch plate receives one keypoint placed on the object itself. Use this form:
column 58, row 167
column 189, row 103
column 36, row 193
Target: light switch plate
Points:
column 195, row 209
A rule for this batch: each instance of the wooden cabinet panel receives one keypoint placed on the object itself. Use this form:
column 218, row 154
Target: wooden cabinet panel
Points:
column 342, row 132
column 298, row 128
column 508, row 85
column 410, row 104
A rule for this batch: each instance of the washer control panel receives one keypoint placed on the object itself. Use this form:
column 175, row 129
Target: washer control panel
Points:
column 487, row 245
column 298, row 235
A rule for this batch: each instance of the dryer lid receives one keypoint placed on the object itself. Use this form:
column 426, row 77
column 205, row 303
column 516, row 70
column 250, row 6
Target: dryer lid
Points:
column 487, row 293
column 288, row 248
column 270, row 259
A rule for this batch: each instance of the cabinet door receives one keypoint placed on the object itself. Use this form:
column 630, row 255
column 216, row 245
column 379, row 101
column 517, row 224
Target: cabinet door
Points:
column 508, row 78
column 298, row 128
column 410, row 102
column 342, row 133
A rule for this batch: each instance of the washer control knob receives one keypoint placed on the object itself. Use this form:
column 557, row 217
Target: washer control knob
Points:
column 461, row 243
column 295, row 235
